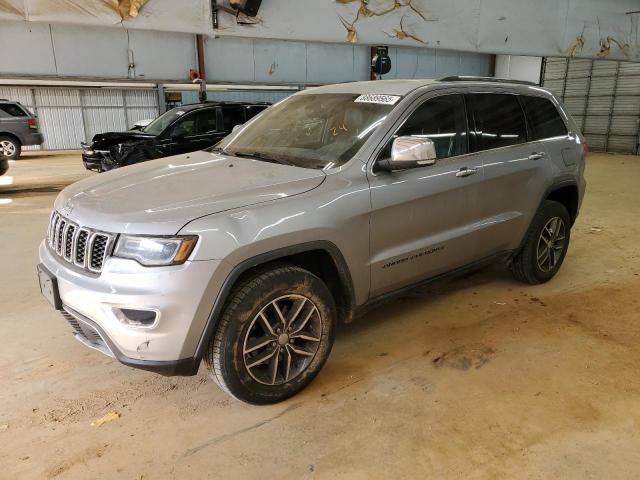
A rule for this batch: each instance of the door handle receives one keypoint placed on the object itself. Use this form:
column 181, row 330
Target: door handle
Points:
column 537, row 155
column 465, row 172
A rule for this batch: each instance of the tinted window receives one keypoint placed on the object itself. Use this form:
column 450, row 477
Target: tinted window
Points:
column 185, row 126
column 254, row 110
column 443, row 120
column 499, row 120
column 163, row 121
column 232, row 116
column 12, row 110
column 544, row 119
column 206, row 121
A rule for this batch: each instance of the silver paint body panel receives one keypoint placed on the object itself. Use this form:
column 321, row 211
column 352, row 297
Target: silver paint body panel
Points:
column 392, row 229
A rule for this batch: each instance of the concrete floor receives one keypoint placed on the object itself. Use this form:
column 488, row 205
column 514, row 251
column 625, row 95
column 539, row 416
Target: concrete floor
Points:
column 482, row 378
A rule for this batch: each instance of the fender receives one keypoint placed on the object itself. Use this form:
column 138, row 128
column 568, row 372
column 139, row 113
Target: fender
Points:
column 555, row 186
column 245, row 265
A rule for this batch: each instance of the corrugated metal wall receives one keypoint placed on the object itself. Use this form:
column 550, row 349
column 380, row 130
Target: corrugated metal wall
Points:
column 69, row 116
column 604, row 98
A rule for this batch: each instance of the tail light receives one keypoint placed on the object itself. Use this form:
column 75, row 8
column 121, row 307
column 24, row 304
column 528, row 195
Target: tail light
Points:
column 32, row 123
column 585, row 149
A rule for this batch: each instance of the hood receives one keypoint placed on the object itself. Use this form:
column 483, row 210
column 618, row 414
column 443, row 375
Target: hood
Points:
column 160, row 196
column 104, row 140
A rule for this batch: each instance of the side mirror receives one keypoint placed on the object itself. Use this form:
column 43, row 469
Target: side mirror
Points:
column 409, row 152
column 237, row 127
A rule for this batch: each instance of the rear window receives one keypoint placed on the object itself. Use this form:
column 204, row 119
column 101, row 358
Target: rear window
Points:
column 544, row 119
column 499, row 120
column 13, row 110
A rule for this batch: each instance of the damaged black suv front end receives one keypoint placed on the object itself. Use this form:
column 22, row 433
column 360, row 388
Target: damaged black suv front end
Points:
column 117, row 149
column 181, row 130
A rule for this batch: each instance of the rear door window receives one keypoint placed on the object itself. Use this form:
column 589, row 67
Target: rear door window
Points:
column 499, row 120
column 232, row 116
column 544, row 119
column 12, row 110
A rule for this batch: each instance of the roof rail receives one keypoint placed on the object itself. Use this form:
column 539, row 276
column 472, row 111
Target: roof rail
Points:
column 457, row 78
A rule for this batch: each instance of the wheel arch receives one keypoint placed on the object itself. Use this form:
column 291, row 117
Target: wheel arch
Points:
column 11, row 135
column 322, row 258
column 567, row 194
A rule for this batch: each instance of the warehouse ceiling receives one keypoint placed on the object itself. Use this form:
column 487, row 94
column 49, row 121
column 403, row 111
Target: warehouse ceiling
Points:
column 107, row 10
column 571, row 28
column 193, row 16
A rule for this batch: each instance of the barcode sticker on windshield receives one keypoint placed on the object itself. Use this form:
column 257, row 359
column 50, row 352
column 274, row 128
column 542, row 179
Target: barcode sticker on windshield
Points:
column 383, row 99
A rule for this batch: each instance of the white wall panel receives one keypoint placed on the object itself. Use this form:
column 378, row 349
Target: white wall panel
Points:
column 273, row 61
column 280, row 62
column 103, row 111
column 100, row 52
column 69, row 116
column 162, row 55
column 34, row 55
column 604, row 98
column 93, row 52
column 60, row 117
column 519, row 68
column 141, row 105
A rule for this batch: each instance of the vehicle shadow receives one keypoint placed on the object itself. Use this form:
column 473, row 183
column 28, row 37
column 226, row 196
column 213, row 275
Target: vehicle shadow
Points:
column 420, row 298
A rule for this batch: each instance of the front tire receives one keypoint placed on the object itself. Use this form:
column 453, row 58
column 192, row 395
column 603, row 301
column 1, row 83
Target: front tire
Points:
column 10, row 147
column 545, row 246
column 274, row 335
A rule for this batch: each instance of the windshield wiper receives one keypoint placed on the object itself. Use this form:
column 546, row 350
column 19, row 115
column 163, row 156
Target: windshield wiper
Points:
column 261, row 156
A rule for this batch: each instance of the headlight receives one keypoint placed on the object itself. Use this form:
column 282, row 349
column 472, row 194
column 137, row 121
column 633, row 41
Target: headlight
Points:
column 155, row 251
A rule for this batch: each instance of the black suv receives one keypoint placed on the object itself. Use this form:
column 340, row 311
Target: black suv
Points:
column 183, row 129
column 17, row 128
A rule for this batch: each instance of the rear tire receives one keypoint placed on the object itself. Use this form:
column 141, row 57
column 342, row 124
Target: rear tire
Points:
column 545, row 246
column 274, row 335
column 11, row 147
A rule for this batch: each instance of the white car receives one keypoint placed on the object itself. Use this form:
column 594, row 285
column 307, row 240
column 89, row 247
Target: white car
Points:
column 140, row 124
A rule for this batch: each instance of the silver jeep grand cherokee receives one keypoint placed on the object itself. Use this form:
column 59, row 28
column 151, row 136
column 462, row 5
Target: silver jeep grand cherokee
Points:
column 248, row 254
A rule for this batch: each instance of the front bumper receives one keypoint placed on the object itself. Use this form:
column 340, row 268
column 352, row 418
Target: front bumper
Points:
column 93, row 163
column 182, row 295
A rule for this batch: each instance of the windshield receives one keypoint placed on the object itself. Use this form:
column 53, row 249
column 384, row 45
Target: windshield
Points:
column 163, row 121
column 312, row 131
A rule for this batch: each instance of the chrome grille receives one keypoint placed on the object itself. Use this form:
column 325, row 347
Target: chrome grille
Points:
column 68, row 241
column 80, row 246
column 98, row 252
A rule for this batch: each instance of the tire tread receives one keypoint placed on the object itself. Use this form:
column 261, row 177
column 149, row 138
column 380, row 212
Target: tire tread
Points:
column 522, row 266
column 213, row 357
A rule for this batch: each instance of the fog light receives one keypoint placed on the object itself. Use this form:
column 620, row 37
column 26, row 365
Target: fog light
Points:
column 136, row 318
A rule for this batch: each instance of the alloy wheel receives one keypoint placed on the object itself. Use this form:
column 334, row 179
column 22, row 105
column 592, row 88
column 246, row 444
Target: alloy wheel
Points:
column 551, row 244
column 7, row 148
column 282, row 340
